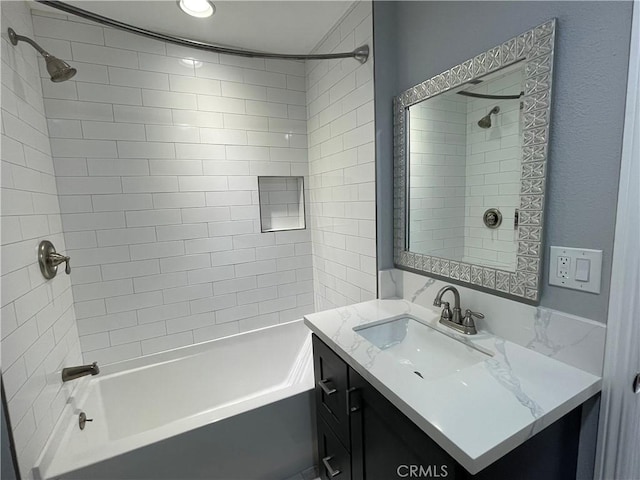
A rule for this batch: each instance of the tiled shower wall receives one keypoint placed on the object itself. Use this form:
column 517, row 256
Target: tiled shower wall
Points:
column 437, row 165
column 342, row 166
column 493, row 172
column 39, row 334
column 458, row 170
column 157, row 150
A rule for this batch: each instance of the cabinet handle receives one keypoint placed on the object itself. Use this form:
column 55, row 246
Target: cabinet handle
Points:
column 352, row 406
column 332, row 473
column 325, row 388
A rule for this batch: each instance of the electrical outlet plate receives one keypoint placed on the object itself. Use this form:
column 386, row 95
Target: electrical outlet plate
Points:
column 576, row 268
column 564, row 265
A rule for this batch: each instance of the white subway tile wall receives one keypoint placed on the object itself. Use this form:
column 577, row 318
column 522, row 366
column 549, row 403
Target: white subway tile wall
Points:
column 437, row 165
column 156, row 157
column 459, row 170
column 494, row 158
column 39, row 334
column 341, row 137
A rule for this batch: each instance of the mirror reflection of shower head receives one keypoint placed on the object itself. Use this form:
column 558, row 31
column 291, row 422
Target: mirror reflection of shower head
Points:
column 59, row 70
column 485, row 122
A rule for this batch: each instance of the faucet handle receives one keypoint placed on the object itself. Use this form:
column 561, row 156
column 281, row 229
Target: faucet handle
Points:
column 467, row 322
column 468, row 314
column 446, row 312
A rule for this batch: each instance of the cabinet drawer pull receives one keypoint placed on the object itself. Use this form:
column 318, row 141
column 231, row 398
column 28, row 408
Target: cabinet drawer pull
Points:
column 325, row 388
column 332, row 473
column 353, row 404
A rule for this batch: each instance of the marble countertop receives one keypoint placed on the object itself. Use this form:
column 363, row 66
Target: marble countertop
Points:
column 477, row 414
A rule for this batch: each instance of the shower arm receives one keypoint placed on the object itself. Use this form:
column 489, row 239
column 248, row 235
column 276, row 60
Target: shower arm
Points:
column 14, row 38
column 361, row 53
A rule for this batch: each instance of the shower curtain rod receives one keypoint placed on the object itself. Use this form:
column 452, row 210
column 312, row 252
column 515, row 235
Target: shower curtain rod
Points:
column 361, row 54
column 490, row 97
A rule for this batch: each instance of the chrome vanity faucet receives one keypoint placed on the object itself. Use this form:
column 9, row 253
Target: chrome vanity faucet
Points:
column 453, row 318
column 71, row 373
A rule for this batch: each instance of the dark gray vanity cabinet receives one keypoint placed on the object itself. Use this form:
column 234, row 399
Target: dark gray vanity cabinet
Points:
column 385, row 444
column 363, row 436
column 332, row 385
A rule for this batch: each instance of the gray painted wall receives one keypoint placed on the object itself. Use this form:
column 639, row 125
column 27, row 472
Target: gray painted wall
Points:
column 417, row 40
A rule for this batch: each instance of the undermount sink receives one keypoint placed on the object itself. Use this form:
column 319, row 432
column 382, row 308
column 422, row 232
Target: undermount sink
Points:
column 429, row 353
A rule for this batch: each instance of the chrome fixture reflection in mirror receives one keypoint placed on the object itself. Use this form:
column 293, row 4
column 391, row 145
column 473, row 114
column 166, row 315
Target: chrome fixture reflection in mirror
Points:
column 492, row 218
column 49, row 259
column 469, row 141
column 485, row 122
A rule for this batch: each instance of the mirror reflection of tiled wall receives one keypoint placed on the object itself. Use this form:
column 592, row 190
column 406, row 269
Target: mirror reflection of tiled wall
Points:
column 437, row 166
column 458, row 170
column 494, row 157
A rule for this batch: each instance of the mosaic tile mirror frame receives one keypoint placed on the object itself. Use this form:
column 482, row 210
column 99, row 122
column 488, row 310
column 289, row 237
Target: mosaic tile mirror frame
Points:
column 535, row 50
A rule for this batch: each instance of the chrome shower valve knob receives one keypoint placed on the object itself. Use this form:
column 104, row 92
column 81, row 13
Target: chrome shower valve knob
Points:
column 49, row 260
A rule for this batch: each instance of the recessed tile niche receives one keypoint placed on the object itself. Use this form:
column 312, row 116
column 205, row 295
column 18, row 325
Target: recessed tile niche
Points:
column 281, row 203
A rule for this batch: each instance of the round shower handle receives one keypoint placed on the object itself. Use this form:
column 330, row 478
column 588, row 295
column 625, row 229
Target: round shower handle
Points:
column 49, row 259
column 492, row 218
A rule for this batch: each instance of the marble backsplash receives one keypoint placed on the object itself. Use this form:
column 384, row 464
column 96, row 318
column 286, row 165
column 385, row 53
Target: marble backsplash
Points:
column 574, row 340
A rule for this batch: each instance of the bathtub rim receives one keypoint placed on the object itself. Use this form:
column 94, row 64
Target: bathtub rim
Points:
column 144, row 361
column 68, row 418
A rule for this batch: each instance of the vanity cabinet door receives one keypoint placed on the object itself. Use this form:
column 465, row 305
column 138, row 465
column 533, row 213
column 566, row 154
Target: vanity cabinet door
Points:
column 386, row 445
column 331, row 377
column 334, row 459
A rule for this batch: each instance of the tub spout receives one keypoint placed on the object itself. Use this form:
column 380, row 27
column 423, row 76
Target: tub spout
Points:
column 71, row 373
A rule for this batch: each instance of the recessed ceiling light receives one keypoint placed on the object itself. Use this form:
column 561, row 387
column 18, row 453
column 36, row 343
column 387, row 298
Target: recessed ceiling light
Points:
column 197, row 8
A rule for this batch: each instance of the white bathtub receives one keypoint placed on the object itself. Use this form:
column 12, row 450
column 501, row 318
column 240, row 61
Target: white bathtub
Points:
column 233, row 408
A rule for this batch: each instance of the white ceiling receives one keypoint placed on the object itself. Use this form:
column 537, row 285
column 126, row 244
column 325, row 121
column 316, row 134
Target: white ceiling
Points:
column 273, row 26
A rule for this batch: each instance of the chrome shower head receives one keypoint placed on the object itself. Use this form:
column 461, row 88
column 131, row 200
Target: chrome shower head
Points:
column 59, row 70
column 485, row 122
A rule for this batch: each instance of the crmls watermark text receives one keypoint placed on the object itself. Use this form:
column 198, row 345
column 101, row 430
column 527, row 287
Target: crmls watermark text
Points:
column 422, row 471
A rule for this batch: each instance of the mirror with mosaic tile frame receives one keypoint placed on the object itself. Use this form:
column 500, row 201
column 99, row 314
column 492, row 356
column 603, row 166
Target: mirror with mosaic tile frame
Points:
column 470, row 152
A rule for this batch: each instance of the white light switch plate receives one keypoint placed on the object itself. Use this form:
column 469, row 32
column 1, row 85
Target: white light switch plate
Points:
column 577, row 268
